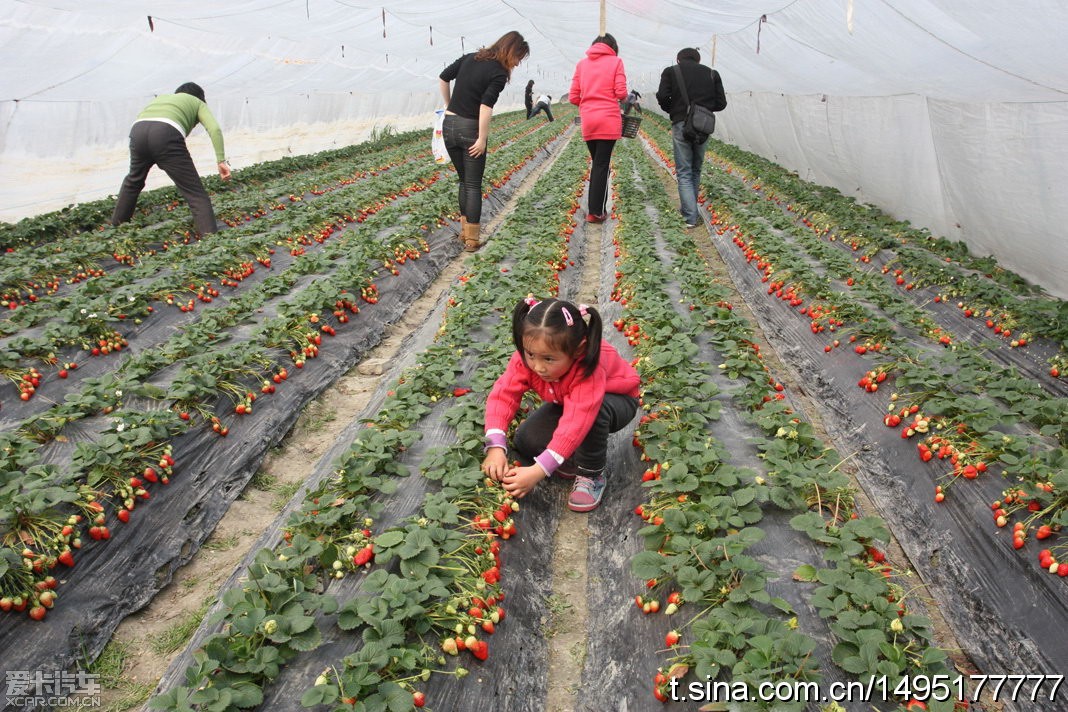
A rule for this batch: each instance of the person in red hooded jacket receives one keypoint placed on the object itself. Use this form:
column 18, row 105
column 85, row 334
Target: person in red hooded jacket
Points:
column 598, row 86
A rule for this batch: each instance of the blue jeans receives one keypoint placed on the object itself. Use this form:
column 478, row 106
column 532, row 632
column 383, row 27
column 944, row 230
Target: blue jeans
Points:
column 688, row 160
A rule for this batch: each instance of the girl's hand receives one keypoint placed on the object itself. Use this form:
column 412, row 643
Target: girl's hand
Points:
column 477, row 148
column 495, row 464
column 518, row 481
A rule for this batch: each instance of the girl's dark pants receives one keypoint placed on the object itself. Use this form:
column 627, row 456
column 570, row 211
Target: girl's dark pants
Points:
column 534, row 433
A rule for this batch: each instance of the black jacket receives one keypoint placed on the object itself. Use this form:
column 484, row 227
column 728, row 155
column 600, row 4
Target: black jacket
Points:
column 478, row 82
column 703, row 86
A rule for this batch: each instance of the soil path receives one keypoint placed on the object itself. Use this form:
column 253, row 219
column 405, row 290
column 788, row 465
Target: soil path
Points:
column 568, row 631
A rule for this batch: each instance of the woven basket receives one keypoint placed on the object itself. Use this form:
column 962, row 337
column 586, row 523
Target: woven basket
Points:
column 631, row 122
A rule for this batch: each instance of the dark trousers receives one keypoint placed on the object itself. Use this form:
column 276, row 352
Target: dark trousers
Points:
column 601, row 153
column 542, row 106
column 533, row 434
column 460, row 134
column 154, row 143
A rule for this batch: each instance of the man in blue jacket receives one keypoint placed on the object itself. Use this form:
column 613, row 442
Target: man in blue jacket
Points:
column 703, row 87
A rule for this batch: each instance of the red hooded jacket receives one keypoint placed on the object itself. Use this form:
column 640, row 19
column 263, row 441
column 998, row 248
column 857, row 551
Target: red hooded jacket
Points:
column 597, row 88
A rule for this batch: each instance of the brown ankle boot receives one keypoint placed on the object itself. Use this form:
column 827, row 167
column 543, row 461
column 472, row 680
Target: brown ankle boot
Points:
column 470, row 234
column 463, row 229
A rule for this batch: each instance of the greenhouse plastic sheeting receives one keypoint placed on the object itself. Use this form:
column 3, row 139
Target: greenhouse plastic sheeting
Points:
column 950, row 114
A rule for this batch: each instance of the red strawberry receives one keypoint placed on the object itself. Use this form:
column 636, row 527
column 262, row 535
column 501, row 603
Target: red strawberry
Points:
column 418, row 699
column 672, row 638
column 480, row 650
column 460, row 391
column 66, row 558
column 364, row 555
column 123, row 515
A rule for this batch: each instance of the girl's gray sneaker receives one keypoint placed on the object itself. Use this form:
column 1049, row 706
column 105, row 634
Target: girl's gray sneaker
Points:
column 586, row 493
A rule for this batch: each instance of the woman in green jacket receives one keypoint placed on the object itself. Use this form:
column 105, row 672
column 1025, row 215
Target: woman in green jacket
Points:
column 157, row 138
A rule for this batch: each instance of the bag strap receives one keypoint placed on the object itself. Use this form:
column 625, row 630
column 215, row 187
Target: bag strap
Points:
column 682, row 86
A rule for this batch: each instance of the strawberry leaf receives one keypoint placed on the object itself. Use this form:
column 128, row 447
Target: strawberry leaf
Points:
column 319, row 695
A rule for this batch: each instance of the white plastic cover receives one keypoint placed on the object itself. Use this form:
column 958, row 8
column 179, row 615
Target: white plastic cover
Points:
column 952, row 114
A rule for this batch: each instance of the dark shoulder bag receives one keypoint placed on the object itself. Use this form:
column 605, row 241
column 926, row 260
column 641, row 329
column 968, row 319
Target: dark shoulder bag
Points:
column 700, row 121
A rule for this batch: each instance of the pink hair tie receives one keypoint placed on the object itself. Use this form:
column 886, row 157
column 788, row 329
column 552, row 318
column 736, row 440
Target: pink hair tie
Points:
column 567, row 316
column 584, row 309
column 531, row 301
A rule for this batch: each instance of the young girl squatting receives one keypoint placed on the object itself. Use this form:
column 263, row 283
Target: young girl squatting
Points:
column 588, row 391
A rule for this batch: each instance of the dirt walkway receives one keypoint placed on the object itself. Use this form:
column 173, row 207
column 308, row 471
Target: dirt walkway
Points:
column 568, row 629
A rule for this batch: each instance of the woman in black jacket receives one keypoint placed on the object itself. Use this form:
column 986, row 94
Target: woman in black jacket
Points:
column 480, row 77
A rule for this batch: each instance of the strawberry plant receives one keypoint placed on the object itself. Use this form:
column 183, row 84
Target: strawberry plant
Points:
column 797, row 461
column 433, row 575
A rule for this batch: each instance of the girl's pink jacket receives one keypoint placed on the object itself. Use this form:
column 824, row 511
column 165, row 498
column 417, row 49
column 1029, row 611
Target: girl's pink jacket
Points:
column 580, row 397
column 597, row 88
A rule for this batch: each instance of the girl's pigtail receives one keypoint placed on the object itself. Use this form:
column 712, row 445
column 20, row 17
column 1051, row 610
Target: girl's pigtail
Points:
column 593, row 340
column 519, row 315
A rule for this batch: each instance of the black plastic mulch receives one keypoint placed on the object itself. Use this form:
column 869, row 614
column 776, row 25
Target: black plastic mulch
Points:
column 1006, row 613
column 514, row 677
column 116, row 578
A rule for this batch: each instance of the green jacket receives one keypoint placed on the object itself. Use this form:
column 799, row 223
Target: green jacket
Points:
column 187, row 111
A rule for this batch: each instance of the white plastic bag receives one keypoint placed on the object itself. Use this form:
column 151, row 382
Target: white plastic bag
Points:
column 437, row 141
